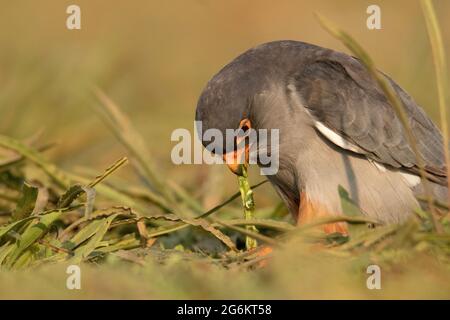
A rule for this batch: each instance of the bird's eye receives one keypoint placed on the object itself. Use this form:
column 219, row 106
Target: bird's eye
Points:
column 245, row 128
column 245, row 125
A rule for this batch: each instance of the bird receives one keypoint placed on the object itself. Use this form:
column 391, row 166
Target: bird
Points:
column 336, row 129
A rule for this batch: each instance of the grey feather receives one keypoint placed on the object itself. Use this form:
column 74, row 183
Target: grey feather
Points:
column 339, row 93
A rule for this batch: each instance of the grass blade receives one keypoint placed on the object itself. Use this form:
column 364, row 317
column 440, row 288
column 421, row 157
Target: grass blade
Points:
column 4, row 230
column 52, row 170
column 32, row 234
column 83, row 252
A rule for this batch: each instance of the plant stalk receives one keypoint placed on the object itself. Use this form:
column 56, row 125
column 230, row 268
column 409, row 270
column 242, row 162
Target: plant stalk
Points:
column 249, row 206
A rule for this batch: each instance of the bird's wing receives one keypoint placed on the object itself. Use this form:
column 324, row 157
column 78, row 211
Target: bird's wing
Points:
column 341, row 96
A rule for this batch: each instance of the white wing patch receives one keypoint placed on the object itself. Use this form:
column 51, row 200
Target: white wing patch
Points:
column 379, row 166
column 335, row 138
column 410, row 179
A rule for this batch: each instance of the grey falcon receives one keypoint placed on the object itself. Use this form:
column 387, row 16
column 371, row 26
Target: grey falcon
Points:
column 336, row 127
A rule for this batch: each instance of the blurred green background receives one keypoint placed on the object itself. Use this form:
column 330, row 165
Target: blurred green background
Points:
column 154, row 57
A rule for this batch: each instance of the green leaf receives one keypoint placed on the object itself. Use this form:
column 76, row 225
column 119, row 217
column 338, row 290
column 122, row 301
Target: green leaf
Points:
column 70, row 195
column 4, row 251
column 6, row 229
column 26, row 258
column 84, row 251
column 84, row 234
column 26, row 203
column 125, row 243
column 32, row 234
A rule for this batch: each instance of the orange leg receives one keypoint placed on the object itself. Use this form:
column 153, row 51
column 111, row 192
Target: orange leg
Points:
column 310, row 211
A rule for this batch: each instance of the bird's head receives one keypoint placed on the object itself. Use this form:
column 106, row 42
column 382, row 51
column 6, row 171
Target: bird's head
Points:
column 224, row 116
column 242, row 98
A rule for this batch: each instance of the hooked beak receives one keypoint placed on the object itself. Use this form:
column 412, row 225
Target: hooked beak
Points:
column 239, row 157
column 236, row 159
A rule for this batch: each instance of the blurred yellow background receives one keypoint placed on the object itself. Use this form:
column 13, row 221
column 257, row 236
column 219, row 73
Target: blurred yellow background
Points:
column 154, row 57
